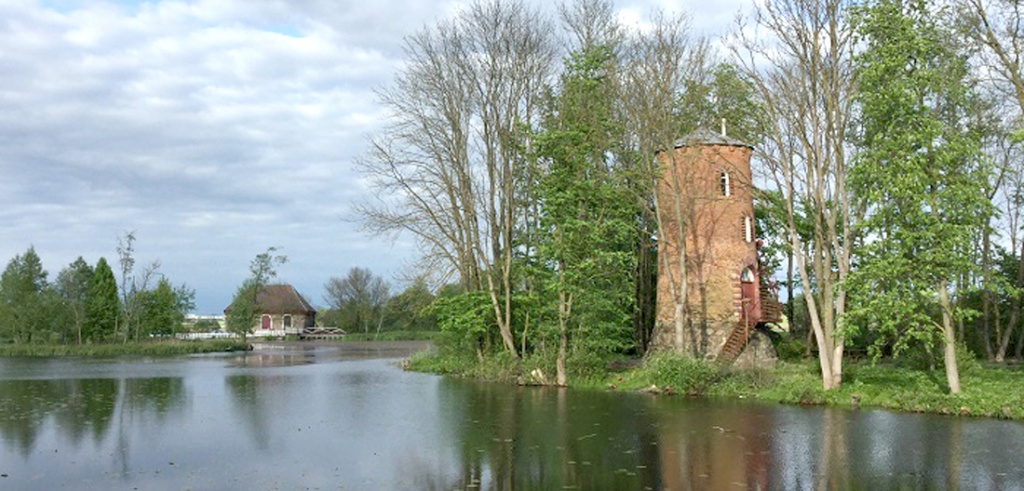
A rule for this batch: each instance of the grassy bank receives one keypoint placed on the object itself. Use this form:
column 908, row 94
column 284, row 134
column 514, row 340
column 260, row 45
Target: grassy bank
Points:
column 148, row 348
column 987, row 391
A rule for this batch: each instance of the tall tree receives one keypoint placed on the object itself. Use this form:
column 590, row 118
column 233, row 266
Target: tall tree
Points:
column 241, row 314
column 72, row 286
column 164, row 307
column 657, row 65
column 919, row 175
column 586, row 219
column 447, row 162
column 802, row 71
column 23, row 309
column 102, row 307
column 132, row 286
column 997, row 27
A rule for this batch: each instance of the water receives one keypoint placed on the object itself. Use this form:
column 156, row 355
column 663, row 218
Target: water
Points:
column 329, row 417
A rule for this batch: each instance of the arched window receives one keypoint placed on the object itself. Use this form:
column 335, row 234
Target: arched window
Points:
column 748, row 229
column 747, row 276
column 724, row 184
column 287, row 321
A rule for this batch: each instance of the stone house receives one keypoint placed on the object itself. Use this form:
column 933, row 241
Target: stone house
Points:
column 281, row 311
column 705, row 197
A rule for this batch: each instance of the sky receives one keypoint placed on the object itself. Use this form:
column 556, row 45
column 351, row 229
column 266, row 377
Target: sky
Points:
column 212, row 130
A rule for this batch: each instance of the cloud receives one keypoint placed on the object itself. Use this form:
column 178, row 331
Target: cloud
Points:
column 213, row 129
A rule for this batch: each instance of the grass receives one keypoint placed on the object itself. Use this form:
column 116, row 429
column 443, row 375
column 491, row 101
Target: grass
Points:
column 147, row 348
column 988, row 391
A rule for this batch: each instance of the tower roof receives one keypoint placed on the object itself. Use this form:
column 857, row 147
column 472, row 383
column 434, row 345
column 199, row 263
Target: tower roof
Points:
column 704, row 136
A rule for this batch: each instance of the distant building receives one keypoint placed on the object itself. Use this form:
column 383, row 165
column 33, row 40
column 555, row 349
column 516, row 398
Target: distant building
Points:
column 281, row 311
column 706, row 204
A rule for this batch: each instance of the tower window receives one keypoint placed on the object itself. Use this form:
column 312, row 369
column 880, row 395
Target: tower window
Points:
column 748, row 229
column 725, row 184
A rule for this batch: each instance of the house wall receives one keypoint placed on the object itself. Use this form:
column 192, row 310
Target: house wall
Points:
column 691, row 199
column 277, row 329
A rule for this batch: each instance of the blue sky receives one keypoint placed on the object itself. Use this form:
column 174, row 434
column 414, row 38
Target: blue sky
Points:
column 211, row 129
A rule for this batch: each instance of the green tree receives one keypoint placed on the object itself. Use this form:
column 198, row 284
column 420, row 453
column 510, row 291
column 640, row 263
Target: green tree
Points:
column 72, row 287
column 585, row 238
column 407, row 311
column 23, row 307
column 919, row 175
column 241, row 314
column 163, row 308
column 102, row 306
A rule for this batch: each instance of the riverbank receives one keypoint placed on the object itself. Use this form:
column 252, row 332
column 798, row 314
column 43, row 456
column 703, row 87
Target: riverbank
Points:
column 993, row 392
column 147, row 348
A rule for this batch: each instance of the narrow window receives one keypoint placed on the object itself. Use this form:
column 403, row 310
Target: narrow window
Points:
column 747, row 276
column 748, row 229
column 724, row 183
column 287, row 322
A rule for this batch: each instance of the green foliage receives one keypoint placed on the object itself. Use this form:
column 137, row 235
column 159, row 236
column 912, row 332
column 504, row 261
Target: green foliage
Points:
column 24, row 303
column 467, row 318
column 72, row 286
column 103, row 306
column 241, row 314
column 164, row 308
column 670, row 372
column 919, row 174
column 142, row 348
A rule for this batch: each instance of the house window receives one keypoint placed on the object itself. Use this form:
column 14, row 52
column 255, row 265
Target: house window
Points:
column 725, row 184
column 748, row 229
column 287, row 322
column 265, row 321
column 747, row 276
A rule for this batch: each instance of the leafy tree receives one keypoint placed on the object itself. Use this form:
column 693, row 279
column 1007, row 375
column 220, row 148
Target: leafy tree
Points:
column 585, row 238
column 407, row 311
column 102, row 306
column 241, row 314
column 919, row 175
column 164, row 308
column 72, row 287
column 23, row 306
column 359, row 299
column 132, row 286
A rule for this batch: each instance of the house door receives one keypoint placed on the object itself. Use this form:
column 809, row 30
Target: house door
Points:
column 265, row 322
column 751, row 302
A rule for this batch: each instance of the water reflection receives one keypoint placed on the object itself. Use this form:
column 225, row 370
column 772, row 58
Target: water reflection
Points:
column 324, row 419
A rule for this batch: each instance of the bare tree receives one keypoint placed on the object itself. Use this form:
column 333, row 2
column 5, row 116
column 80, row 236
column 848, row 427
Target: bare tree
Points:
column 446, row 165
column 658, row 63
column 799, row 54
column 361, row 296
column 132, row 285
column 997, row 27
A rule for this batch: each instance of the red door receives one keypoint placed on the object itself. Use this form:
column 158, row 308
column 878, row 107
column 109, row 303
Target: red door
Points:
column 265, row 321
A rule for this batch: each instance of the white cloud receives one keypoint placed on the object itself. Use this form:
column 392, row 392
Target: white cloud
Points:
column 213, row 129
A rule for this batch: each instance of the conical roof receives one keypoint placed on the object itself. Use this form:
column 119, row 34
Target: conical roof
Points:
column 704, row 136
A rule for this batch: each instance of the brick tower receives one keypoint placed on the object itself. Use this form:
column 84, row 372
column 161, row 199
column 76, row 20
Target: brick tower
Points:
column 705, row 201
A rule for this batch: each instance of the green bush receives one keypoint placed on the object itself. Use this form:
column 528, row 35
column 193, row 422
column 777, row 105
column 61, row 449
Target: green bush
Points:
column 672, row 372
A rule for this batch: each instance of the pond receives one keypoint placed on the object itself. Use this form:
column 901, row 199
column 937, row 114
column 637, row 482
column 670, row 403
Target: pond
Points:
column 346, row 417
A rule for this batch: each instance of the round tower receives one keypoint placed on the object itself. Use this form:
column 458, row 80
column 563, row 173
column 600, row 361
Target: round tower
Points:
column 706, row 214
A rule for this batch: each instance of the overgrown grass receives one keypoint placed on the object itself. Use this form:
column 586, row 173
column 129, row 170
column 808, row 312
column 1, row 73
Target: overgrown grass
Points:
column 148, row 348
column 988, row 391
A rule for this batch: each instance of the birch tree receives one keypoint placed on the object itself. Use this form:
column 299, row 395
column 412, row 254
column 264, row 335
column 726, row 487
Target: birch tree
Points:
column 447, row 164
column 798, row 56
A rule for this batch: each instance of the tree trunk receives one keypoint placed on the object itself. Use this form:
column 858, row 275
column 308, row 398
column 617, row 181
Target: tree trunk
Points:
column 949, row 340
